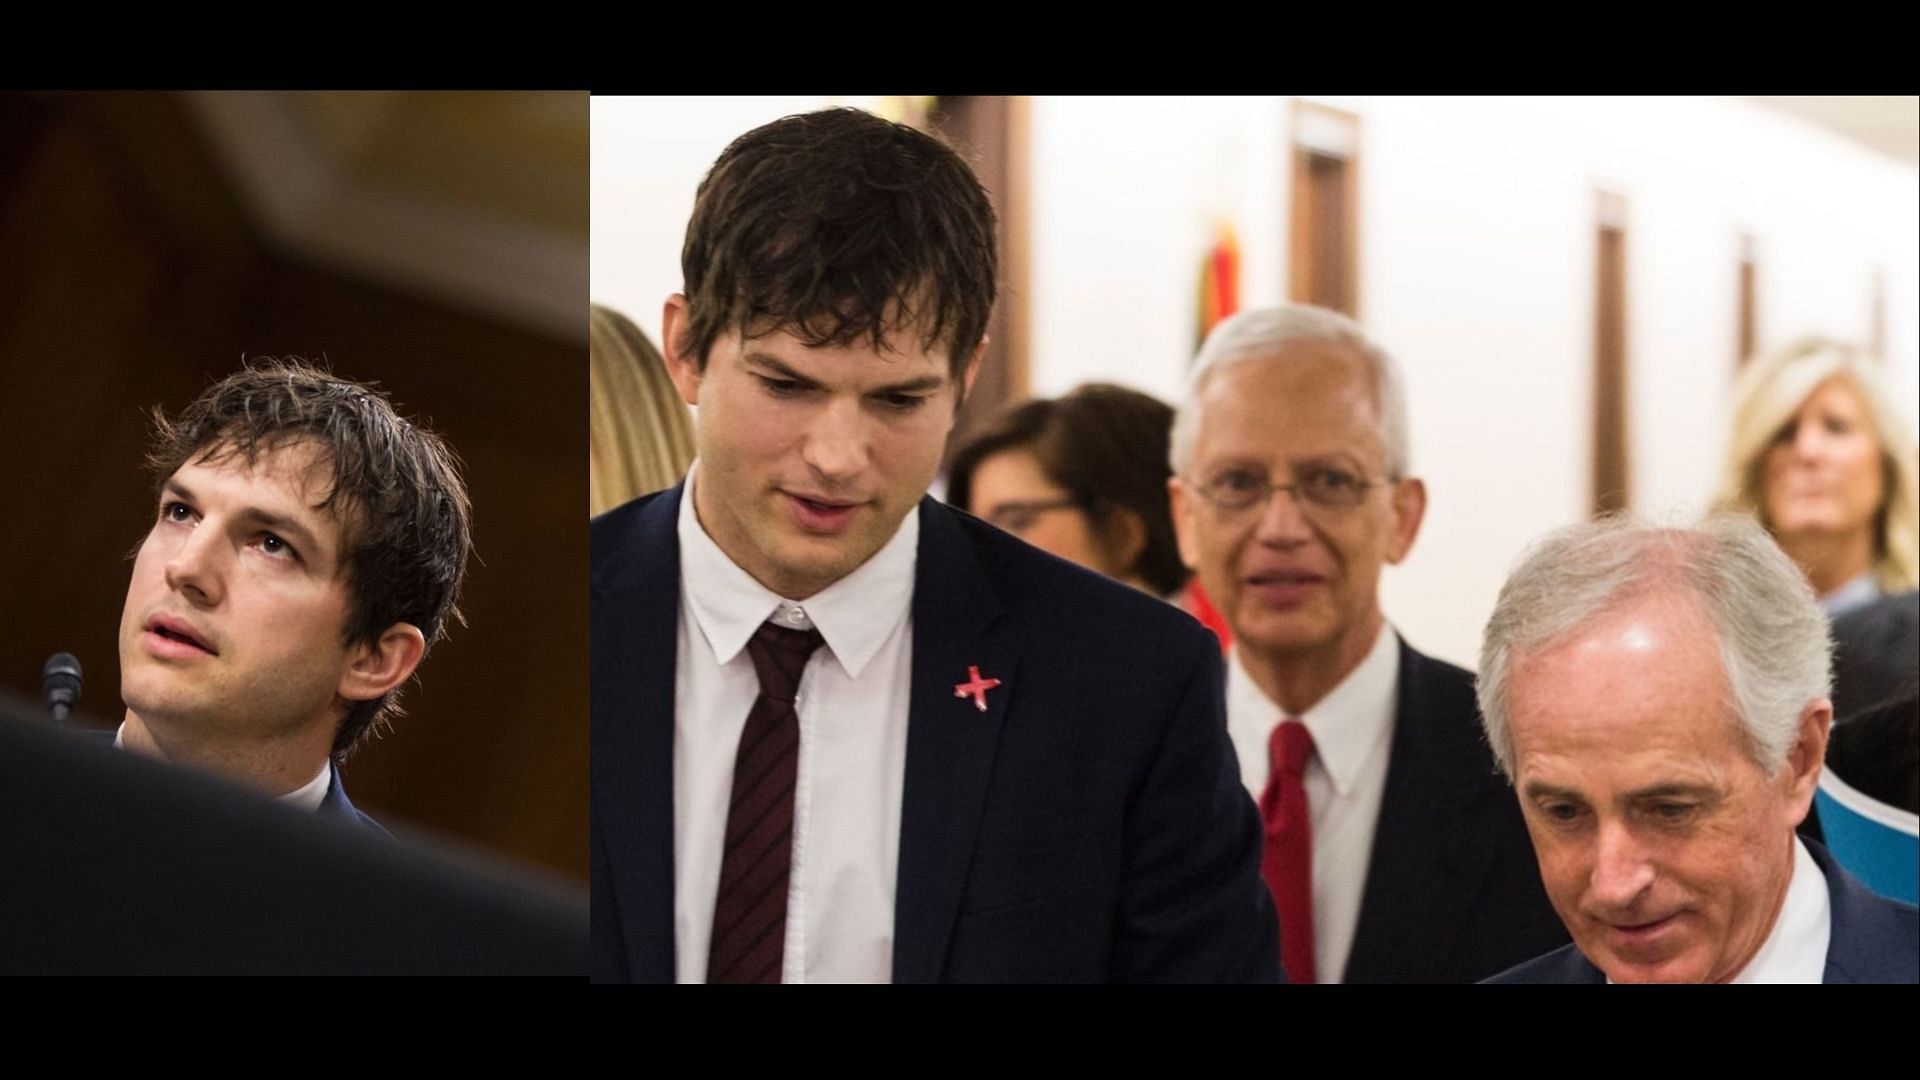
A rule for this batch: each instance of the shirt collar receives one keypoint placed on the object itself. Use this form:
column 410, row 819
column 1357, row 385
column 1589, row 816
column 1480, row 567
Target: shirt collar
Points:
column 1350, row 721
column 1855, row 594
column 310, row 795
column 854, row 615
column 1796, row 948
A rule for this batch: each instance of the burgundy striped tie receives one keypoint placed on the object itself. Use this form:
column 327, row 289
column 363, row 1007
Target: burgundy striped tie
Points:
column 750, row 912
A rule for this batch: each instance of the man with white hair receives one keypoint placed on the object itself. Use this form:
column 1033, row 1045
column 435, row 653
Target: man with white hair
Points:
column 1393, row 851
column 1659, row 699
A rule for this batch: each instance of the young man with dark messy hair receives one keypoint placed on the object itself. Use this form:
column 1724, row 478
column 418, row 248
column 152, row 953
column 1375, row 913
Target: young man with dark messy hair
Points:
column 307, row 548
column 842, row 733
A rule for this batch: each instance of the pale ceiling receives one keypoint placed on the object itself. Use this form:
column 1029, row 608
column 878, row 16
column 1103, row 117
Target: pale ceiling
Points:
column 475, row 198
column 1888, row 124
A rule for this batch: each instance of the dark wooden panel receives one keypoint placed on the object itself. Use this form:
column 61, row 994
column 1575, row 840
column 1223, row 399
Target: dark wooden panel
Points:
column 133, row 278
column 991, row 133
column 1611, row 464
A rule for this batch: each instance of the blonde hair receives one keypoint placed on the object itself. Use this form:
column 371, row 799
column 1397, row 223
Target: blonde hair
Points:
column 1767, row 395
column 642, row 434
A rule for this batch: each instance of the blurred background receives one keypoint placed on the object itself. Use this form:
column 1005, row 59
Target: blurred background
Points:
column 435, row 243
column 1570, row 284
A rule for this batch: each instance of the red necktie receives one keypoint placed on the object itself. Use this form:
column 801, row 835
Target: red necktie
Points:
column 750, row 911
column 1287, row 864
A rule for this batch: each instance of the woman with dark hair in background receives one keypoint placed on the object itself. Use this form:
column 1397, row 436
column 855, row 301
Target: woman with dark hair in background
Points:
column 1083, row 477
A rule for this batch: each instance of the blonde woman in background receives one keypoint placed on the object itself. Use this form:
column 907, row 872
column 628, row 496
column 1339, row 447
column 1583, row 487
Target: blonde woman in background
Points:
column 642, row 436
column 1822, row 459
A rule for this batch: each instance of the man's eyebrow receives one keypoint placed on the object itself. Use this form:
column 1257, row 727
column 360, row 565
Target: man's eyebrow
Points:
column 1671, row 791
column 925, row 384
column 773, row 365
column 1537, row 789
column 1346, row 459
column 266, row 519
column 280, row 523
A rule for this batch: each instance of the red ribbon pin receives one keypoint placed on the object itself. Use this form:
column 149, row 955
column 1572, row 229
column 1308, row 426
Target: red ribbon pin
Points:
column 976, row 687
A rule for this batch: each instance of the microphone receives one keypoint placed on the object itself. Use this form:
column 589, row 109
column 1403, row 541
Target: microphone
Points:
column 60, row 685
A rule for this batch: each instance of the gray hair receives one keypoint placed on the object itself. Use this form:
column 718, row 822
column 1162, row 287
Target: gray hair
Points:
column 1773, row 637
column 1260, row 334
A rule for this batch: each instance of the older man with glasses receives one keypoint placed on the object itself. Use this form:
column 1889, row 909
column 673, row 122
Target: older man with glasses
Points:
column 1394, row 852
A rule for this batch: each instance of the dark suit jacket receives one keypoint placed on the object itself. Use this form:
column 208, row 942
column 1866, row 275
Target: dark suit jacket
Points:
column 1874, row 939
column 1876, row 655
column 337, row 806
column 1453, row 891
column 1090, row 826
column 1877, row 752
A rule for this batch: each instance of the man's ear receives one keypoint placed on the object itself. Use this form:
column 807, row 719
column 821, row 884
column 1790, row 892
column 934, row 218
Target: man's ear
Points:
column 1409, row 510
column 1185, row 532
column 683, row 369
column 1123, row 536
column 378, row 666
column 1805, row 757
column 973, row 370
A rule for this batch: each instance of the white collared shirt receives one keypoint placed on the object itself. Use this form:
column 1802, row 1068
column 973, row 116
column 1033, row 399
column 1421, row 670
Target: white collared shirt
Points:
column 1796, row 948
column 307, row 796
column 1345, row 781
column 852, row 705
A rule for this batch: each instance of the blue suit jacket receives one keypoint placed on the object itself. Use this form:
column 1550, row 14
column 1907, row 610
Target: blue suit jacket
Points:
column 1090, row 826
column 1874, row 940
column 337, row 806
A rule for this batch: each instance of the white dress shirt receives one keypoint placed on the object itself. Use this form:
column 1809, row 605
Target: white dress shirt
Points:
column 1796, row 948
column 1345, row 782
column 307, row 796
column 852, row 705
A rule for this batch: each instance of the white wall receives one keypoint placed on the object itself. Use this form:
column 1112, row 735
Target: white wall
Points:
column 1476, row 230
column 649, row 154
column 1477, row 263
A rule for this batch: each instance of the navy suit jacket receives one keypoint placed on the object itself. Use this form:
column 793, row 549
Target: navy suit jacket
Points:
column 336, row 805
column 1874, row 939
column 1876, row 655
column 1090, row 826
column 1453, row 891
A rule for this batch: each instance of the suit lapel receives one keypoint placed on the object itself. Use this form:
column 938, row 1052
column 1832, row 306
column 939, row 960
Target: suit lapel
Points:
column 1428, row 856
column 636, row 600
column 1866, row 944
column 337, row 805
column 950, row 743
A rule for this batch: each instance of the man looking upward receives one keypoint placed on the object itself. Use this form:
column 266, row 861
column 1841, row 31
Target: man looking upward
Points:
column 307, row 546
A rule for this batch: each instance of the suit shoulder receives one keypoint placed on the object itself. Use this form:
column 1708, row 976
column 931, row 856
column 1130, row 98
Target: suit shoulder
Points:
column 1440, row 683
column 1562, row 965
column 620, row 521
column 1044, row 590
column 1439, row 697
column 630, row 531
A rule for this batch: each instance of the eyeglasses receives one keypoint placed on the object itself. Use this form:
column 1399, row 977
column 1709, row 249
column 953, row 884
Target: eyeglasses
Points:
column 1241, row 487
column 1018, row 517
